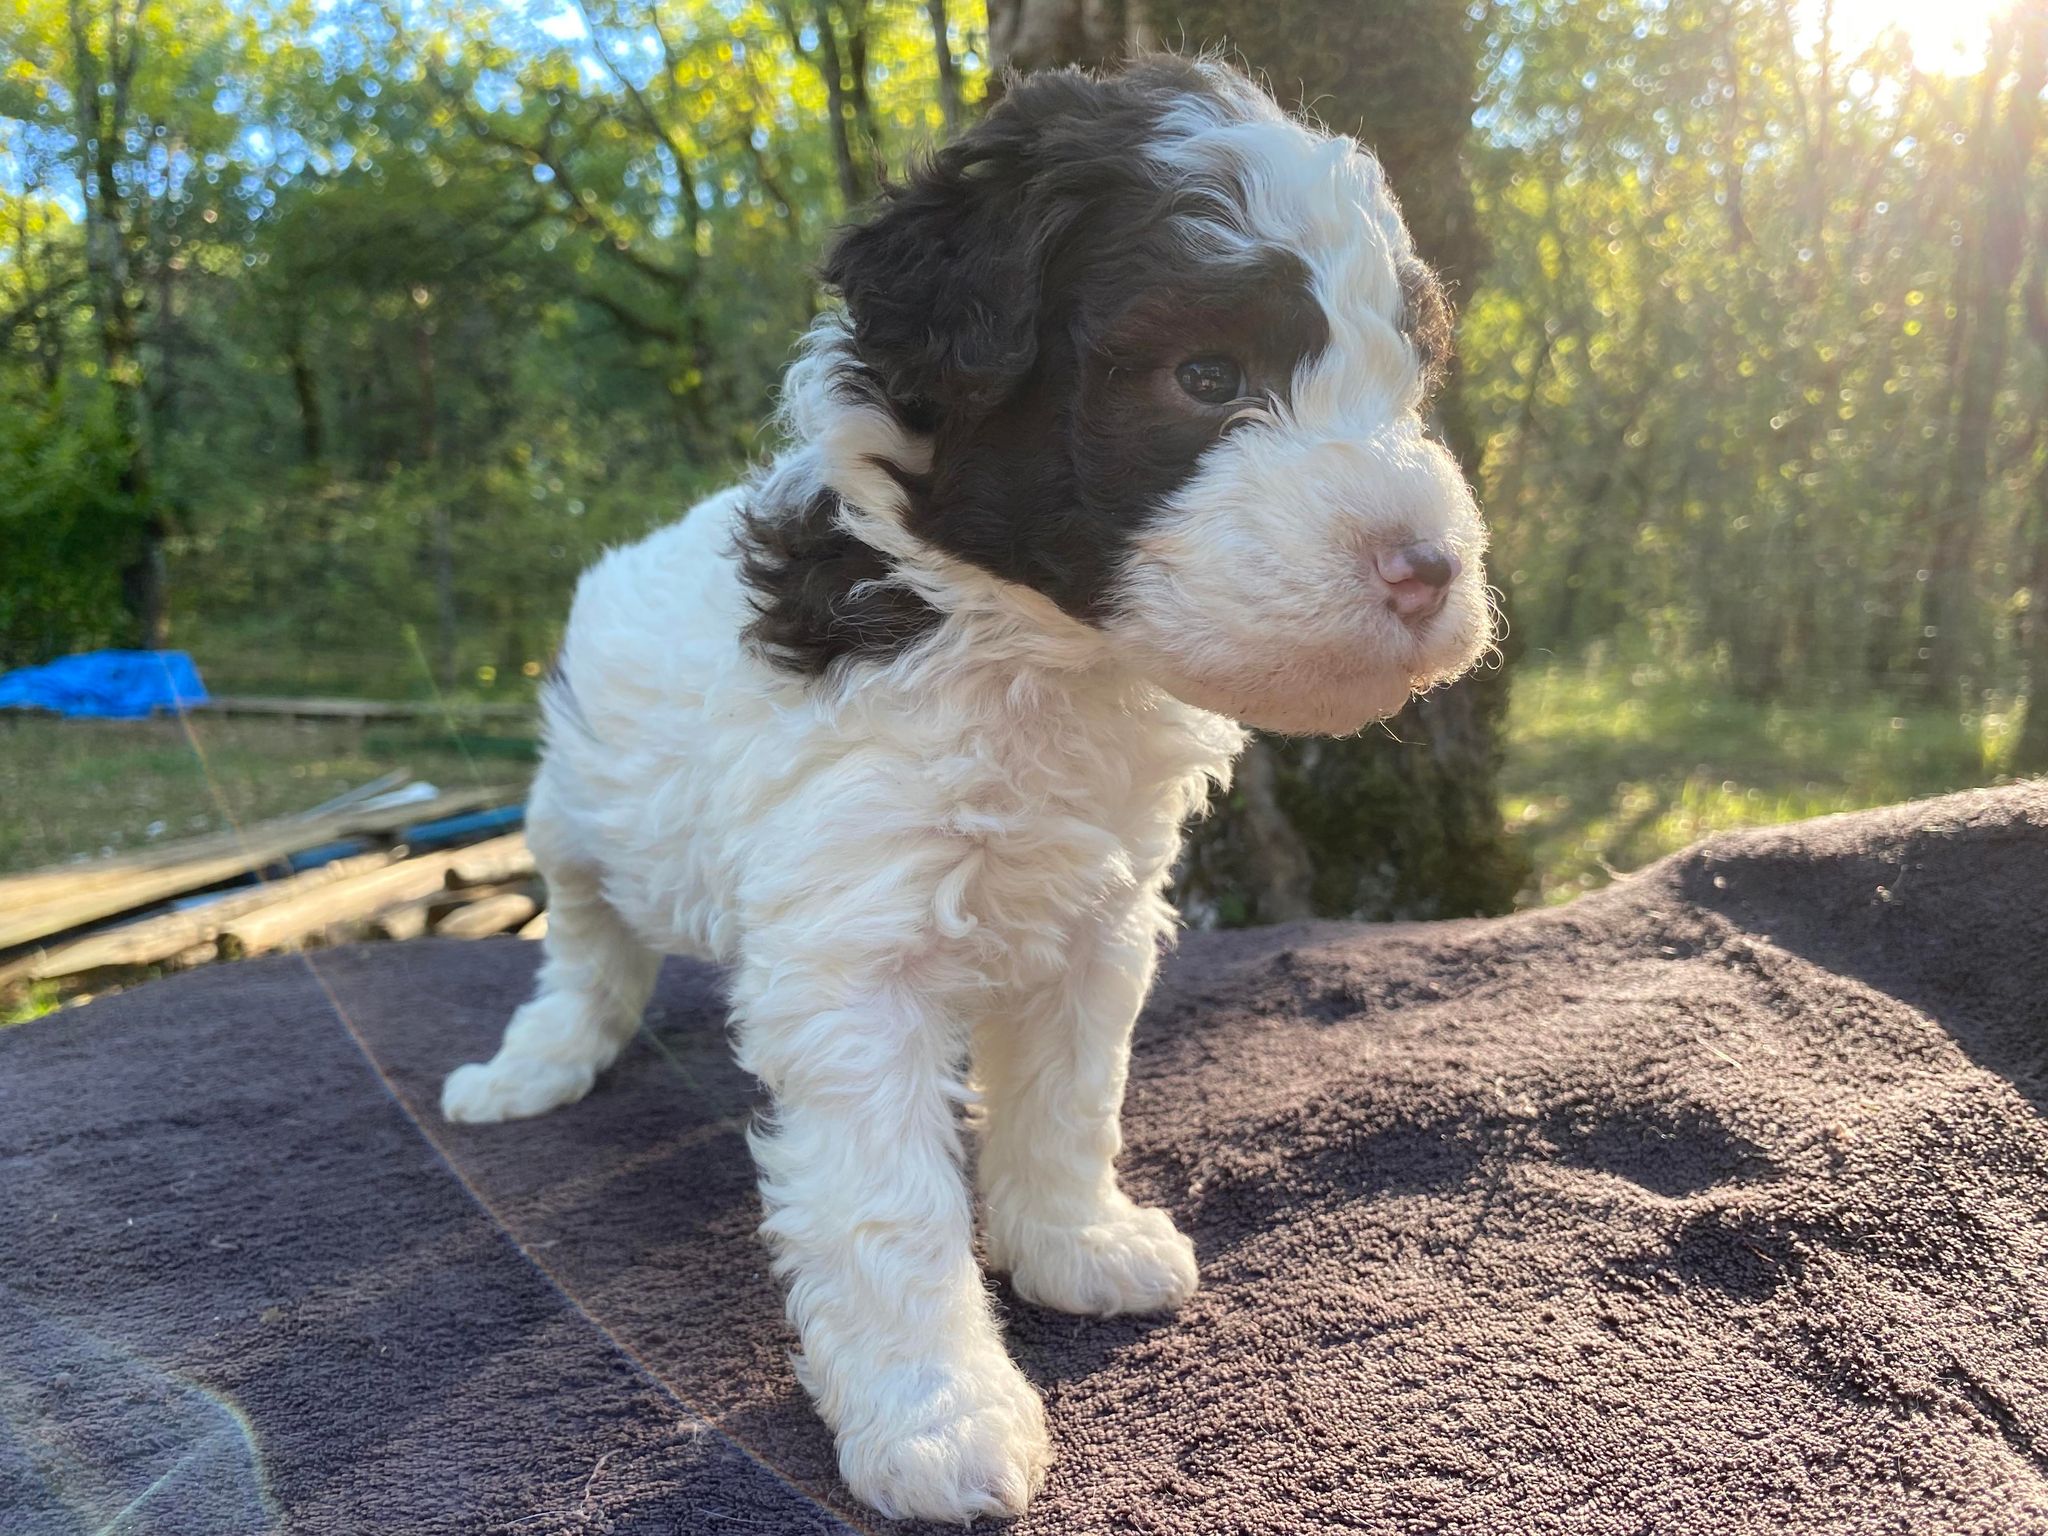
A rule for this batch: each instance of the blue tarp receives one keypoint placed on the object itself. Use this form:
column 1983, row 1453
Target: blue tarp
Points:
column 108, row 685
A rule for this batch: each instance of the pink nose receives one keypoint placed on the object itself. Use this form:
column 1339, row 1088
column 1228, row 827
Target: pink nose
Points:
column 1417, row 577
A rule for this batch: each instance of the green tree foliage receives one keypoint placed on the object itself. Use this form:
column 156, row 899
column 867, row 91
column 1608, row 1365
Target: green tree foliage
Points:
column 1747, row 363
column 111, row 113
column 413, row 307
column 67, row 526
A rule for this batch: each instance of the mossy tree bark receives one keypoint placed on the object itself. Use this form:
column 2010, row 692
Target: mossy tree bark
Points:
column 1403, row 821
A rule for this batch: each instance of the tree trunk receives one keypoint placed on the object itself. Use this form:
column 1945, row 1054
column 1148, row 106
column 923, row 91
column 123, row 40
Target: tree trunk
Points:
column 1045, row 34
column 306, row 390
column 950, row 99
column 146, row 586
column 441, row 524
column 2005, row 145
column 862, row 104
column 163, row 329
column 854, row 180
column 1402, row 821
column 2031, row 753
column 101, row 95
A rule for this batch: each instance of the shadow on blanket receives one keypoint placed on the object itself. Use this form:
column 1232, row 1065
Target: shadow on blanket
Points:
column 1717, row 1201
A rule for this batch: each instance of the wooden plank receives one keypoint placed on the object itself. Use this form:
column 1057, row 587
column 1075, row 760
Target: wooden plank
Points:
column 407, row 920
column 494, row 914
column 158, row 939
column 203, row 953
column 20, row 890
column 51, row 901
column 358, row 709
column 512, row 861
column 309, row 918
column 384, row 784
column 143, row 888
column 414, row 919
column 368, row 822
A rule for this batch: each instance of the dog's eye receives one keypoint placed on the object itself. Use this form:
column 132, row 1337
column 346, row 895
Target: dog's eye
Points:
column 1211, row 380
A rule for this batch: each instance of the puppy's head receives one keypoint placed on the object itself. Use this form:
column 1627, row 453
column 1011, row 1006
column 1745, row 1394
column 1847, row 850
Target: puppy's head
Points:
column 1170, row 352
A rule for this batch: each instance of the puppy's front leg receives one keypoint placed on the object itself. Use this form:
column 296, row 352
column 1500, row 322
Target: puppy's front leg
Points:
column 1053, row 1075
column 870, row 1217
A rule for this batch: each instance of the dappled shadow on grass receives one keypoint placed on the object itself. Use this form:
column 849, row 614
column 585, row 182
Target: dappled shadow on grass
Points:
column 1610, row 766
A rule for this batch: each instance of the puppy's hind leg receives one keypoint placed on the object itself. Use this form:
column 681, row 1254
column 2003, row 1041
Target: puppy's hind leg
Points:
column 593, row 986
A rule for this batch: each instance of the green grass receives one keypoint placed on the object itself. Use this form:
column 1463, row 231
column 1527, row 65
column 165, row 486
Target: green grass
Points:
column 84, row 787
column 1610, row 766
column 378, row 659
column 37, row 999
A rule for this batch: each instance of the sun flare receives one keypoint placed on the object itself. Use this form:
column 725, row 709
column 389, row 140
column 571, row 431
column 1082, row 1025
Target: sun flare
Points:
column 1948, row 36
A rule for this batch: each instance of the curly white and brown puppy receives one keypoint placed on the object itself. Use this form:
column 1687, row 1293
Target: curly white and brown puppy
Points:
column 1116, row 442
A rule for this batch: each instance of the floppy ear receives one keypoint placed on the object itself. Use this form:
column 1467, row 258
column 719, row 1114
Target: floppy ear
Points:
column 945, row 279
column 942, row 281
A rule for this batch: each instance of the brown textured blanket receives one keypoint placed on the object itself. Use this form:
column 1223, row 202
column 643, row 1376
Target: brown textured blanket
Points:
column 1714, row 1202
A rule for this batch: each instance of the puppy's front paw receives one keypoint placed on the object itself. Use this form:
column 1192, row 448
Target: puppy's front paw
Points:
column 511, row 1088
column 1124, row 1258
column 954, row 1443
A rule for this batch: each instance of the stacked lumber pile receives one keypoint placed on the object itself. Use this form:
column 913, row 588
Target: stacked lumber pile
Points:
column 381, row 862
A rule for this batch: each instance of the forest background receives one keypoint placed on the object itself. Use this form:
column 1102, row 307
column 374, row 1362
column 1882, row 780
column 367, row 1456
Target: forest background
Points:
column 335, row 338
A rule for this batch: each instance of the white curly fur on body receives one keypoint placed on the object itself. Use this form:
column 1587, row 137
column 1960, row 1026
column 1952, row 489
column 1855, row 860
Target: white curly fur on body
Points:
column 965, row 853
column 939, row 877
